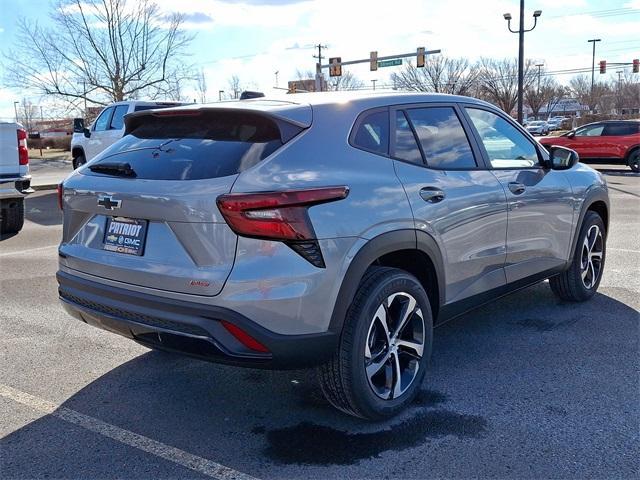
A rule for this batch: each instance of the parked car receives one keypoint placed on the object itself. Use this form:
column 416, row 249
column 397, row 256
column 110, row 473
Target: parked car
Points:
column 331, row 230
column 537, row 127
column 107, row 128
column 614, row 141
column 15, row 181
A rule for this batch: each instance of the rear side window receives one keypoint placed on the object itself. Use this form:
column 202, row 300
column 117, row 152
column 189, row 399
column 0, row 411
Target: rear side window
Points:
column 117, row 122
column 621, row 129
column 372, row 132
column 406, row 147
column 442, row 137
column 194, row 147
column 102, row 122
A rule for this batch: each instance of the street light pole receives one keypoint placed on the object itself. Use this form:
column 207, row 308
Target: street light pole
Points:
column 593, row 61
column 521, row 31
column 374, row 83
column 15, row 109
column 220, row 92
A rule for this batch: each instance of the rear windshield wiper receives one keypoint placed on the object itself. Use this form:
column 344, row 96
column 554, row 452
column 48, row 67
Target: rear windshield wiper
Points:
column 113, row 168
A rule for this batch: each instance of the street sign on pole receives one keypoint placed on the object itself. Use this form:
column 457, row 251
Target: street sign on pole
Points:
column 390, row 63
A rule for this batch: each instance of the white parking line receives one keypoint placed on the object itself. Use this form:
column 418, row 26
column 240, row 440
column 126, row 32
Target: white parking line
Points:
column 29, row 250
column 626, row 250
column 146, row 444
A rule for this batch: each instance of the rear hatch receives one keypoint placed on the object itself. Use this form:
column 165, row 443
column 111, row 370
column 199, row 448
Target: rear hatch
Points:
column 144, row 211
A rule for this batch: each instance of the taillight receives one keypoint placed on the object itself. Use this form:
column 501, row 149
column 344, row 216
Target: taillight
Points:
column 279, row 216
column 23, row 153
column 60, row 190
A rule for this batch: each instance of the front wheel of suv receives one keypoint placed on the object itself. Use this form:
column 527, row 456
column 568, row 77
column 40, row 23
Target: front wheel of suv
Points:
column 634, row 160
column 580, row 281
column 384, row 349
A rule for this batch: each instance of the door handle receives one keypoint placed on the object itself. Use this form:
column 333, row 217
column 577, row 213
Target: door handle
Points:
column 432, row 194
column 517, row 188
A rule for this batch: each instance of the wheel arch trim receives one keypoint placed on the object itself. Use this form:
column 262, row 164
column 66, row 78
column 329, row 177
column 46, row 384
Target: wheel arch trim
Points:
column 375, row 248
column 593, row 196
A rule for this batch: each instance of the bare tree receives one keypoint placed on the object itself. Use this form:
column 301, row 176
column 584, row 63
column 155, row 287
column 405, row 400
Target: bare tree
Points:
column 592, row 97
column 99, row 50
column 346, row 81
column 543, row 92
column 499, row 81
column 27, row 114
column 201, row 86
column 235, row 86
column 439, row 74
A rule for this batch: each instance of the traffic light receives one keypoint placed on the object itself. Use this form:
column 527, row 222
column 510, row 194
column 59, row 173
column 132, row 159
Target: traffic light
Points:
column 636, row 65
column 603, row 66
column 373, row 61
column 335, row 68
column 420, row 58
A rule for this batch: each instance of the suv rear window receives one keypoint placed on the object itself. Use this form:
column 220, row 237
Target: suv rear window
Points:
column 194, row 146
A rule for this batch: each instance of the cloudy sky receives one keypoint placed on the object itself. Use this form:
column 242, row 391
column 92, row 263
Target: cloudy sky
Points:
column 255, row 38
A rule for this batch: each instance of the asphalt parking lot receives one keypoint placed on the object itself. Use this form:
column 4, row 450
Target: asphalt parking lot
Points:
column 527, row 387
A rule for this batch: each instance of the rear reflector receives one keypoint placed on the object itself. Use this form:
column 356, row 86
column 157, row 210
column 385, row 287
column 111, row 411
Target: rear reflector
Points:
column 276, row 215
column 244, row 338
column 23, row 153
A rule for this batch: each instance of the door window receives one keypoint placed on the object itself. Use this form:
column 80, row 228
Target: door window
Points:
column 372, row 133
column 590, row 131
column 102, row 122
column 442, row 137
column 505, row 145
column 406, row 147
column 117, row 122
column 621, row 129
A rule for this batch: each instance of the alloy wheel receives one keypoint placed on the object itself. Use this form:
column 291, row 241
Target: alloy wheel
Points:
column 591, row 257
column 394, row 345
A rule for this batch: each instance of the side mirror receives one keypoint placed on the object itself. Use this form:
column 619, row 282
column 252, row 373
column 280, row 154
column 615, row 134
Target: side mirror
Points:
column 87, row 132
column 562, row 158
column 78, row 125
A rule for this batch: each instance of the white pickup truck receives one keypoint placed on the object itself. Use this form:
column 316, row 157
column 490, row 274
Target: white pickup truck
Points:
column 107, row 129
column 15, row 181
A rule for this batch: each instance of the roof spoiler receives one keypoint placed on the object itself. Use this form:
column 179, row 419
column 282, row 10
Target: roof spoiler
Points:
column 248, row 94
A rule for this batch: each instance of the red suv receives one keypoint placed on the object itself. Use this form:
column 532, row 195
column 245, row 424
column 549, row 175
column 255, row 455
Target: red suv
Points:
column 613, row 140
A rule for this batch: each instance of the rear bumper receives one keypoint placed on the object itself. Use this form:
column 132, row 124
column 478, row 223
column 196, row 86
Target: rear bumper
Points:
column 15, row 187
column 189, row 328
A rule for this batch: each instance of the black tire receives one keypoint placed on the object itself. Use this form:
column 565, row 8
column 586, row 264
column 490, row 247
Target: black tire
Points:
column 344, row 379
column 570, row 285
column 12, row 216
column 79, row 161
column 634, row 160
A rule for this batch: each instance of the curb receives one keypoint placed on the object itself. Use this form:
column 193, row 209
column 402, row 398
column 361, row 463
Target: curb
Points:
column 47, row 186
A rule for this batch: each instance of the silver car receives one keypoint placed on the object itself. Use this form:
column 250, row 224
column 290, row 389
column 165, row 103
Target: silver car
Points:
column 329, row 230
column 538, row 127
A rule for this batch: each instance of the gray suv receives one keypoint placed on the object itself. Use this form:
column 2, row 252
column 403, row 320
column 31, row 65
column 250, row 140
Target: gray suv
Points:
column 330, row 230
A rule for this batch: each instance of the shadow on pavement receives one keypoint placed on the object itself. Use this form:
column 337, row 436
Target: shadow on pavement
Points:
column 43, row 209
column 524, row 370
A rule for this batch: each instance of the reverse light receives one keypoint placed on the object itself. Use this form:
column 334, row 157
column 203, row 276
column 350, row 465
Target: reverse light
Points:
column 281, row 216
column 23, row 153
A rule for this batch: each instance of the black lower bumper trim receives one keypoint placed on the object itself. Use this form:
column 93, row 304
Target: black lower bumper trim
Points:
column 187, row 327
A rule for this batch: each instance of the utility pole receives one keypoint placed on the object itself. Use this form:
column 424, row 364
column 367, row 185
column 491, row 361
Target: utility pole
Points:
column 15, row 109
column 374, row 83
column 593, row 61
column 318, row 68
column 521, row 31
column 539, row 65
